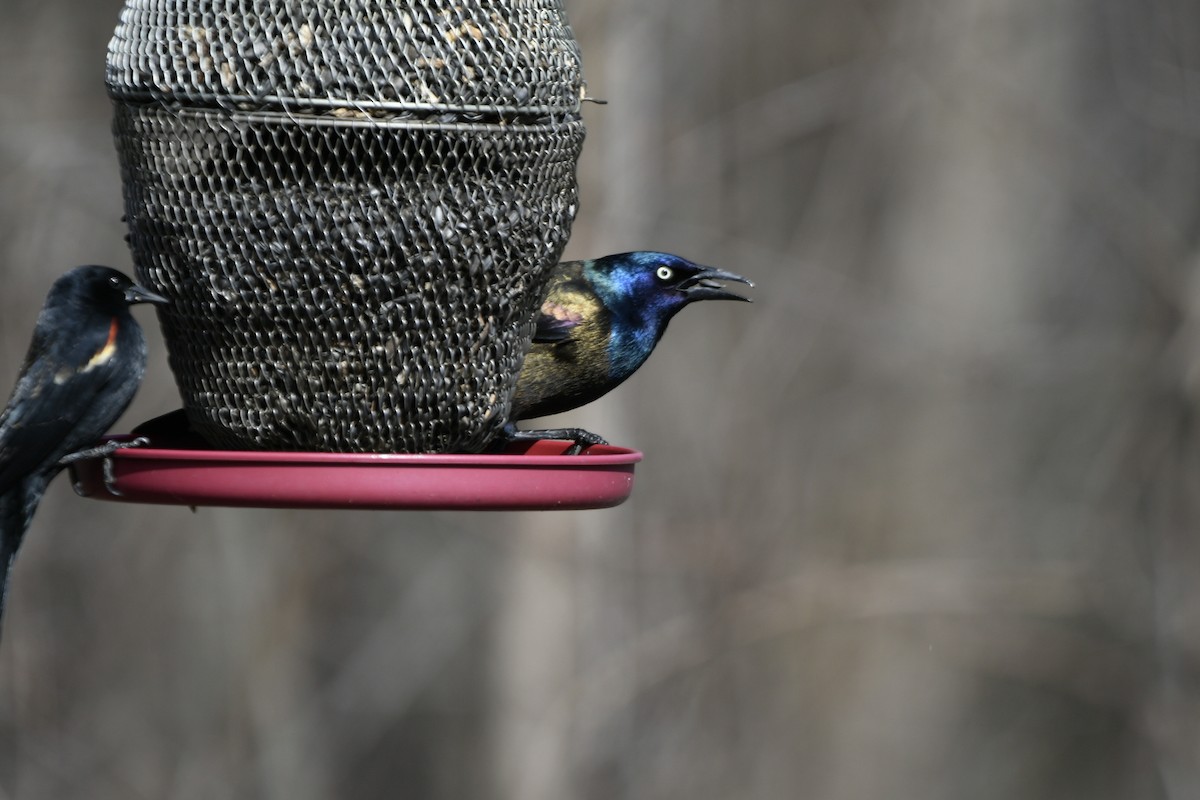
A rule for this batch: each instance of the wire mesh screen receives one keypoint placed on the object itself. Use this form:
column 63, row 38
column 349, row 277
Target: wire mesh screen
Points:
column 353, row 205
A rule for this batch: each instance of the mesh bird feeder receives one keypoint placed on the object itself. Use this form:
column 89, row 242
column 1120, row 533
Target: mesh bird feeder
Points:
column 354, row 206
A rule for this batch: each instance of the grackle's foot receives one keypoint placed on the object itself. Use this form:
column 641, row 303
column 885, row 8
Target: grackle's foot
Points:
column 104, row 451
column 578, row 436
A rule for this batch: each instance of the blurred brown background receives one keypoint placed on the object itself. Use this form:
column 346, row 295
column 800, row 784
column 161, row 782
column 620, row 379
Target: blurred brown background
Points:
column 920, row 523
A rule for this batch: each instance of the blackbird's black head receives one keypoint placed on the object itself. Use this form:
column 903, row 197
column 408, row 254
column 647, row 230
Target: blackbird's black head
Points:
column 100, row 289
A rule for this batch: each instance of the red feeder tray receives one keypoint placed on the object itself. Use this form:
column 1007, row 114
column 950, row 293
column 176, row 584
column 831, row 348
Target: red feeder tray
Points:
column 531, row 476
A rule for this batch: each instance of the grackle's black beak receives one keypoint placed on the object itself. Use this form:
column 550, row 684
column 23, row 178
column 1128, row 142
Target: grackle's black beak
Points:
column 704, row 286
column 140, row 294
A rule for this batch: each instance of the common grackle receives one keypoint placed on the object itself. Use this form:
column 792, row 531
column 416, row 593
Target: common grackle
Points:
column 599, row 322
column 83, row 367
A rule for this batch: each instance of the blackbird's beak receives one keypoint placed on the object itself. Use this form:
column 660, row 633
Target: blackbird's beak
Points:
column 140, row 294
column 704, row 285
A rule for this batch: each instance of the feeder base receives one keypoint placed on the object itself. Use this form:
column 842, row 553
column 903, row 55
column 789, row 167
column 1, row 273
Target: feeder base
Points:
column 529, row 476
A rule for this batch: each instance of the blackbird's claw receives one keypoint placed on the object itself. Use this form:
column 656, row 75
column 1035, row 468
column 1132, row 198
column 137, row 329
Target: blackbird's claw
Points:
column 110, row 478
column 104, row 451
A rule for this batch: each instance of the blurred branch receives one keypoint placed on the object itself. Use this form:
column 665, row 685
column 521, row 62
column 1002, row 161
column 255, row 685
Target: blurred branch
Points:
column 949, row 598
column 1150, row 59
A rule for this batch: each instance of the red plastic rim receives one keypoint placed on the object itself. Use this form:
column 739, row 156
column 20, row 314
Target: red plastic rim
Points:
column 538, row 476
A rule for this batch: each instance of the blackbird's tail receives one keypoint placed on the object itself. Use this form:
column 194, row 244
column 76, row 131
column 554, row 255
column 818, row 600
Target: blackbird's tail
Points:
column 16, row 512
column 12, row 531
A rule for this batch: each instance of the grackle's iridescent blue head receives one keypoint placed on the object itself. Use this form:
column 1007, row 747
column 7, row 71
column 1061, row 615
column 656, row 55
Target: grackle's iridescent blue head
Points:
column 600, row 320
column 642, row 291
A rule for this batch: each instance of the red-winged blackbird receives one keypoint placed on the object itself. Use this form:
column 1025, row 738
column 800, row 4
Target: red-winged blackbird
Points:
column 599, row 322
column 83, row 367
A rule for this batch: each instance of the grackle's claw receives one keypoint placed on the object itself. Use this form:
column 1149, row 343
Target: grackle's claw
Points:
column 579, row 438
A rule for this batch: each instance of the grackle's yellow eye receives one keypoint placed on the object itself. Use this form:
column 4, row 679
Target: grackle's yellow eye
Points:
column 664, row 273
